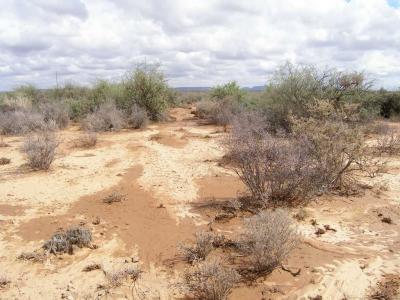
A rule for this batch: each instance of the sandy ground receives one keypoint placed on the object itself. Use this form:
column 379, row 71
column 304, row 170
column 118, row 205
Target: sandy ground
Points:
column 163, row 173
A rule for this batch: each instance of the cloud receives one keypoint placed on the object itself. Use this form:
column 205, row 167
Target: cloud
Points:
column 197, row 42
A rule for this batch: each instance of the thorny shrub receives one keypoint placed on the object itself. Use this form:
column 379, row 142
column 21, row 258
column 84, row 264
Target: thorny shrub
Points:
column 40, row 149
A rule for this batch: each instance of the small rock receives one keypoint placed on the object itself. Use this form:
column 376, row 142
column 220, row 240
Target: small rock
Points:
column 387, row 220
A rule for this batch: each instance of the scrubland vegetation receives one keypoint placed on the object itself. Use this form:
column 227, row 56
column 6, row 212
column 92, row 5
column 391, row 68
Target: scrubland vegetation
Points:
column 304, row 135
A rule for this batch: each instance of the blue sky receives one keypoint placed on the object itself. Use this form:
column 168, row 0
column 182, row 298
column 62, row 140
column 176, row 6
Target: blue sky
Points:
column 198, row 43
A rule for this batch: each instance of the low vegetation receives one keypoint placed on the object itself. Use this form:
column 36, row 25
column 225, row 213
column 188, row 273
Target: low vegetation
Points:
column 4, row 161
column 64, row 241
column 202, row 247
column 267, row 240
column 210, row 280
column 88, row 139
column 40, row 149
column 117, row 278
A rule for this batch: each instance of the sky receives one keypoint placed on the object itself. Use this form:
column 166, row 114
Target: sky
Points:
column 197, row 43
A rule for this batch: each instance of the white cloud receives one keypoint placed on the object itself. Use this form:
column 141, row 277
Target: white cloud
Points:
column 197, row 42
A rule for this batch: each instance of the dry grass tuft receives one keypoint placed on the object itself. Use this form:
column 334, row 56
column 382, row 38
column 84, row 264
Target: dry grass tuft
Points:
column 92, row 267
column 32, row 256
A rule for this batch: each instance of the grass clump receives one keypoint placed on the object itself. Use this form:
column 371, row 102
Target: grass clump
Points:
column 210, row 280
column 40, row 149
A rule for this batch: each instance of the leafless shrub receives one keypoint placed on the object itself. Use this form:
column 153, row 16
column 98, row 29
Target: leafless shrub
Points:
column 389, row 142
column 56, row 112
column 267, row 240
column 202, row 247
column 275, row 170
column 4, row 281
column 113, row 197
column 20, row 121
column 86, row 140
column 40, row 149
column 63, row 242
column 106, row 118
column 337, row 145
column 4, row 161
column 116, row 278
column 210, row 280
column 138, row 117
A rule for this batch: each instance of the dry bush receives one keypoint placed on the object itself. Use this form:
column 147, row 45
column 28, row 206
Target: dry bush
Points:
column 20, row 121
column 138, row 117
column 56, row 112
column 86, row 140
column 389, row 142
column 205, row 109
column 276, row 170
column 267, row 240
column 210, row 280
column 4, row 161
column 40, row 149
column 116, row 278
column 337, row 145
column 203, row 245
column 113, row 197
column 106, row 118
column 63, row 241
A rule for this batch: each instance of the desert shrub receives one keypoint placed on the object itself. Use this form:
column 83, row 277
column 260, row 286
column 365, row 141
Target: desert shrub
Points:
column 388, row 103
column 205, row 109
column 293, row 88
column 202, row 247
column 138, row 117
column 116, row 278
column 220, row 112
column 63, row 241
column 267, row 240
column 4, row 161
column 106, row 118
column 40, row 149
column 230, row 89
column 146, row 87
column 86, row 140
column 210, row 280
column 276, row 170
column 337, row 144
column 56, row 112
column 389, row 142
column 35, row 256
column 21, row 121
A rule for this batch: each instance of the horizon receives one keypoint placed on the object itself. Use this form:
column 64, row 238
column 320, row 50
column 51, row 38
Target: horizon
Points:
column 197, row 44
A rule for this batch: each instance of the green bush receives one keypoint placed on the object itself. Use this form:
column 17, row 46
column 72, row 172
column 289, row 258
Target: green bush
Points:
column 230, row 89
column 146, row 87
